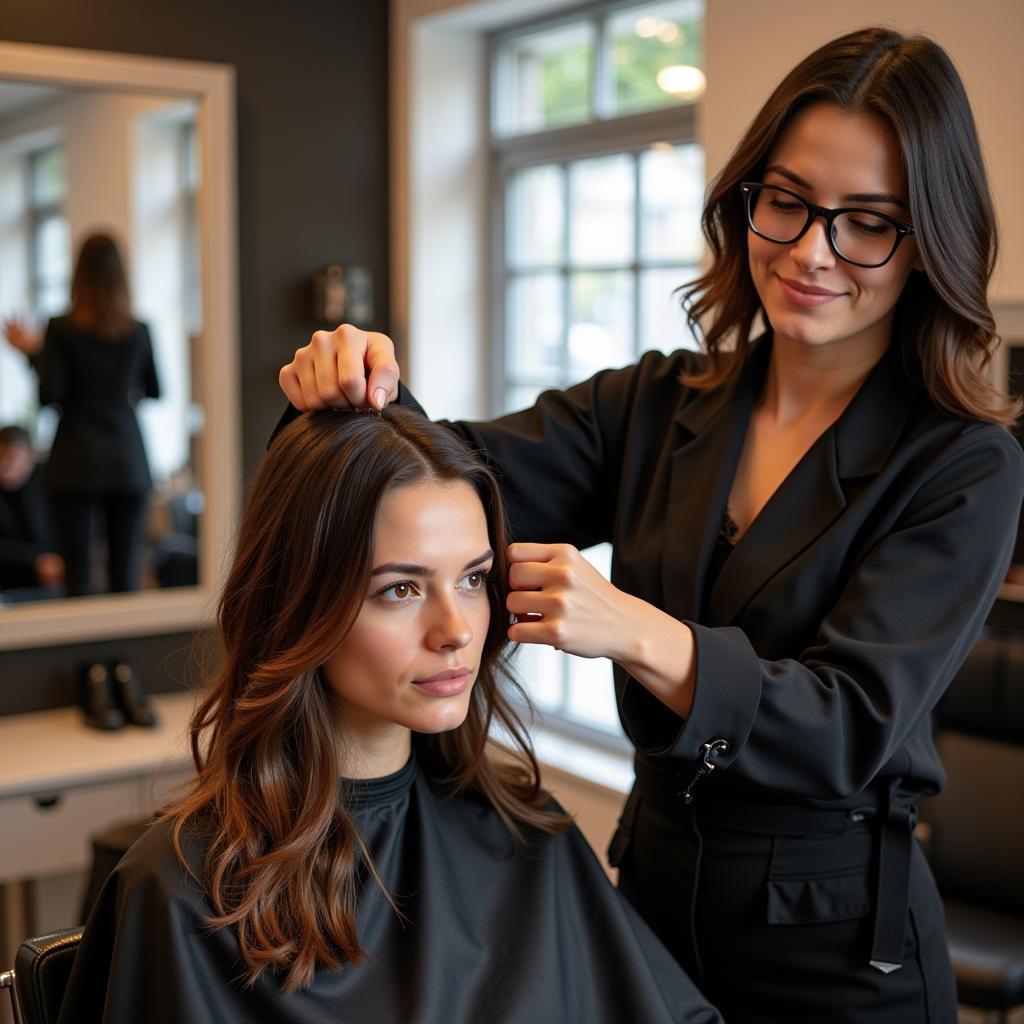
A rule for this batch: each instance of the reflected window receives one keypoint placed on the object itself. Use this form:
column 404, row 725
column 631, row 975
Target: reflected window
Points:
column 48, row 234
column 599, row 186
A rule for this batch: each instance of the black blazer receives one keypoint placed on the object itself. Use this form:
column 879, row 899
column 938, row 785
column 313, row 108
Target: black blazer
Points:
column 97, row 382
column 843, row 612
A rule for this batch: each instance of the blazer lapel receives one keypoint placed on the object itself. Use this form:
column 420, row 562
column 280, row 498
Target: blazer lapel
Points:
column 814, row 494
column 711, row 432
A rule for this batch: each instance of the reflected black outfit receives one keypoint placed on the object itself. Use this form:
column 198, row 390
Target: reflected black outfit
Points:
column 822, row 642
column 24, row 536
column 492, row 933
column 97, row 469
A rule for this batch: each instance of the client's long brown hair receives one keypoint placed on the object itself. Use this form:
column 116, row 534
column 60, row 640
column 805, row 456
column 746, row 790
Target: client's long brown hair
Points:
column 284, row 861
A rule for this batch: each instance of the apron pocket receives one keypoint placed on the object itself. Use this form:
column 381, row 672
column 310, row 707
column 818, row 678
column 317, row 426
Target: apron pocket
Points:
column 814, row 880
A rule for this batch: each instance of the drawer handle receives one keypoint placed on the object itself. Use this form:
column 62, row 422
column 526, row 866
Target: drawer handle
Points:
column 47, row 803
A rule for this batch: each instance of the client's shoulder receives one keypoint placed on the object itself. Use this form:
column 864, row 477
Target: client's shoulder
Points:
column 153, row 861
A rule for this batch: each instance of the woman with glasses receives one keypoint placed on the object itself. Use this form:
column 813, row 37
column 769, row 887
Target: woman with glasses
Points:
column 810, row 521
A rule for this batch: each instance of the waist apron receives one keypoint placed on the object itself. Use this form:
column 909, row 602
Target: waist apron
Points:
column 788, row 913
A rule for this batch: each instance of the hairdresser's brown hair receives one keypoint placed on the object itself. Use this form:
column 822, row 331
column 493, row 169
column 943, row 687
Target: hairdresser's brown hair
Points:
column 100, row 299
column 284, row 860
column 943, row 322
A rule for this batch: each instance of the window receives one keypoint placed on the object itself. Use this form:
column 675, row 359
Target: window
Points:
column 598, row 190
column 48, row 235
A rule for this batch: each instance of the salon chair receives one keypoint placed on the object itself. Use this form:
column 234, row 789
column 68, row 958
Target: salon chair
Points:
column 975, row 825
column 40, row 977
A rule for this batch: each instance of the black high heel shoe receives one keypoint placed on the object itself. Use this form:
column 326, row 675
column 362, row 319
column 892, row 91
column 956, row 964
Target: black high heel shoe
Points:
column 130, row 697
column 96, row 697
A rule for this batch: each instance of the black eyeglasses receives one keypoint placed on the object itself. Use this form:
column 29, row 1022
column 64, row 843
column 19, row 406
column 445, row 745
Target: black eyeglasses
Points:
column 865, row 238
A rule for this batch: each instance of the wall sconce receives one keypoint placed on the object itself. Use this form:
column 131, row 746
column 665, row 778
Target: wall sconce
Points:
column 343, row 295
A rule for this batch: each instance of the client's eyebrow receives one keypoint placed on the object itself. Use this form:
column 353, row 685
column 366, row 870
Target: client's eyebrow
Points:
column 852, row 197
column 408, row 569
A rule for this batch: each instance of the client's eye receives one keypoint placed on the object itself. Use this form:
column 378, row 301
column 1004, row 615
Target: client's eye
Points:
column 476, row 580
column 397, row 593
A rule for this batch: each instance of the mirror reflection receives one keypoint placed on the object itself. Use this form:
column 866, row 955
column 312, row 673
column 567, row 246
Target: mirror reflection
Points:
column 100, row 315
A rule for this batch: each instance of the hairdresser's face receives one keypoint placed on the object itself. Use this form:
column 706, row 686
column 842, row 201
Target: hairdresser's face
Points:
column 811, row 297
column 412, row 656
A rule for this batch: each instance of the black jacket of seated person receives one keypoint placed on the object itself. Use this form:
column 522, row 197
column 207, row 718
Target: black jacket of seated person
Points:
column 489, row 932
column 823, row 640
column 24, row 534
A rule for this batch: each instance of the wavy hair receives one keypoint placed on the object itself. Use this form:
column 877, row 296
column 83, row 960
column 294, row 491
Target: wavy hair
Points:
column 100, row 298
column 943, row 319
column 284, row 860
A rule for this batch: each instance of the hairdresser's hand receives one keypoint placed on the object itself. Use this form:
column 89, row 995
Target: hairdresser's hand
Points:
column 22, row 337
column 561, row 600
column 340, row 369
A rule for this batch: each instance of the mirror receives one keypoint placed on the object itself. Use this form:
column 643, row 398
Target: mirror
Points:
column 140, row 149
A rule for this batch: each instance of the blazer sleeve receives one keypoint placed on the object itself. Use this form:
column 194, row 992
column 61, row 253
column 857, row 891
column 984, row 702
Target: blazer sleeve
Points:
column 559, row 462
column 823, row 723
column 52, row 368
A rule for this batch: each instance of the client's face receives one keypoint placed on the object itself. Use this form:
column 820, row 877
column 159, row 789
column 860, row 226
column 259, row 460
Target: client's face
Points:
column 412, row 656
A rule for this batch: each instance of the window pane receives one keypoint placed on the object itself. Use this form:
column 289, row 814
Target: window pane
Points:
column 656, row 55
column 601, row 210
column 536, row 216
column 672, row 198
column 535, row 326
column 601, row 325
column 542, row 80
column 46, row 181
column 662, row 321
column 52, row 249
column 591, row 696
column 539, row 670
column 51, row 299
column 522, row 396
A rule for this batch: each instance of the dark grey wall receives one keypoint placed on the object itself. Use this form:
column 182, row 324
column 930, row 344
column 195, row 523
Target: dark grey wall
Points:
column 312, row 190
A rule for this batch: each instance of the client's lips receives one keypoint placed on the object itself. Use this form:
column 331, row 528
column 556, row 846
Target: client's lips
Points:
column 449, row 683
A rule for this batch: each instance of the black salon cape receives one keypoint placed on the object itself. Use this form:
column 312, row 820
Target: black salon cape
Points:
column 492, row 934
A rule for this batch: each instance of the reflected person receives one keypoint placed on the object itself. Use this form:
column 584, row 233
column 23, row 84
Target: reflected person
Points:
column 29, row 567
column 96, row 362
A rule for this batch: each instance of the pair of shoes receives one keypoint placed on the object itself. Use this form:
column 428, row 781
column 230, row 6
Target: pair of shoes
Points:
column 96, row 698
column 110, row 695
column 130, row 698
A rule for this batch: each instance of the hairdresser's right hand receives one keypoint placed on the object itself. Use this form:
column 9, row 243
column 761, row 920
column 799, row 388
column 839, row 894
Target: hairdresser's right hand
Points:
column 340, row 369
column 22, row 337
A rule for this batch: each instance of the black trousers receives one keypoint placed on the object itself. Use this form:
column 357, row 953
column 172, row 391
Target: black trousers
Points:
column 78, row 520
column 777, row 929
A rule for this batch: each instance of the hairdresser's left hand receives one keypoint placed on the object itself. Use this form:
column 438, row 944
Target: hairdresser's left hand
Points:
column 580, row 611
column 562, row 601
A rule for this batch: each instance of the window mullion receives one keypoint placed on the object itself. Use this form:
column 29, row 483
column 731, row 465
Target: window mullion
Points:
column 637, row 211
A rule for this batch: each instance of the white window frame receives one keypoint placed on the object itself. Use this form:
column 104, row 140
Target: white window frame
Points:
column 602, row 135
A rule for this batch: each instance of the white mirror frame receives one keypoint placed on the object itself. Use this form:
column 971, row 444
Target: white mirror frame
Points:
column 104, row 617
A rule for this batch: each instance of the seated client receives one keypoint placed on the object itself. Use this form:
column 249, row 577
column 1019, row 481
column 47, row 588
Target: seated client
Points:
column 353, row 849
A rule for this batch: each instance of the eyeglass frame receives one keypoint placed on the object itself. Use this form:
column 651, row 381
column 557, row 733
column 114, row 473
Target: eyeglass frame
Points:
column 750, row 188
